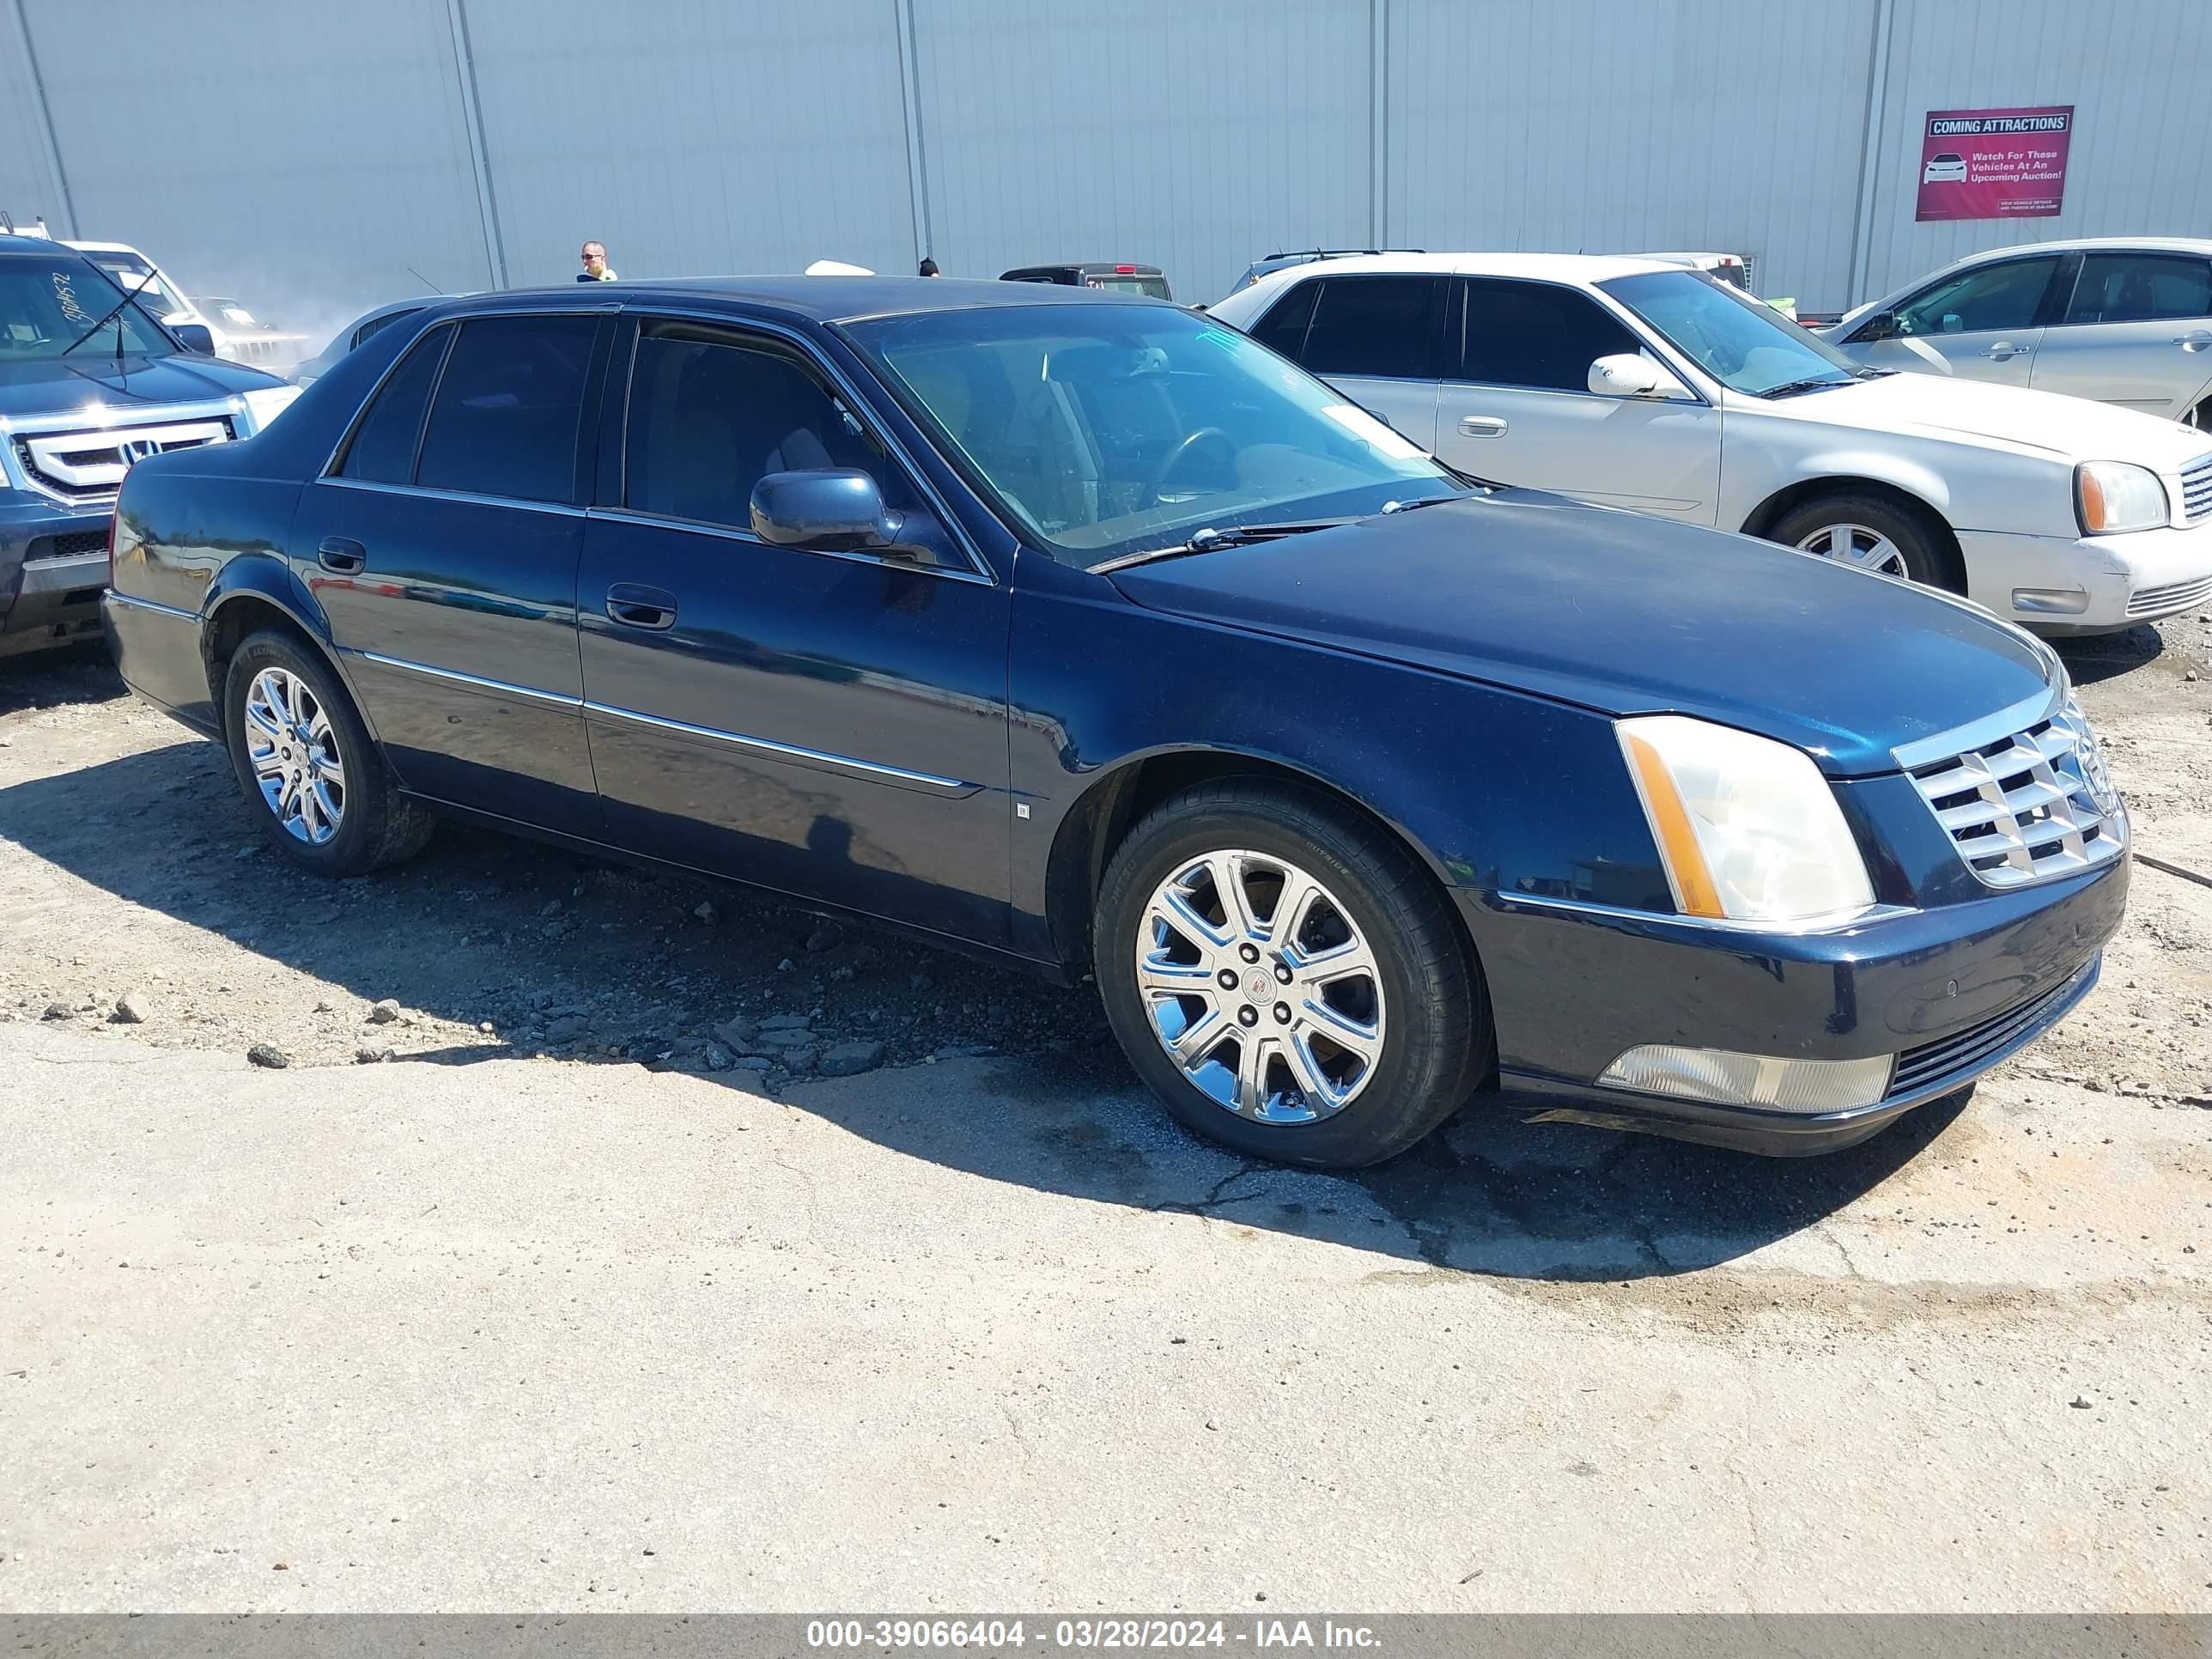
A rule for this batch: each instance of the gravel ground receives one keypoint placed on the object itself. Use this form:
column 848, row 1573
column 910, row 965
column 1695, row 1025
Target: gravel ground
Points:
column 134, row 897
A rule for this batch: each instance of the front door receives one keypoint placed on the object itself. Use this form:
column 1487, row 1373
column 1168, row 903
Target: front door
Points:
column 1984, row 323
column 1518, row 409
column 443, row 551
column 828, row 724
column 2137, row 332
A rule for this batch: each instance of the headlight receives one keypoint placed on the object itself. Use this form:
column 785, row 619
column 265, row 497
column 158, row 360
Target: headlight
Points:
column 2111, row 496
column 1747, row 828
column 266, row 403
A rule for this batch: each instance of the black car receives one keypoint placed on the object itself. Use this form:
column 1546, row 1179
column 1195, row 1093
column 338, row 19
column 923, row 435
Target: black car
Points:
column 1101, row 274
column 1079, row 632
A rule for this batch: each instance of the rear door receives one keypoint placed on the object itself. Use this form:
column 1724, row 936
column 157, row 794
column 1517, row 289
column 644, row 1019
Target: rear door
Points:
column 443, row 546
column 1379, row 339
column 2137, row 330
column 1985, row 323
column 828, row 723
column 1518, row 408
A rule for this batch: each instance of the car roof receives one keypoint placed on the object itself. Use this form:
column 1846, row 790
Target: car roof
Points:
column 1573, row 267
column 105, row 247
column 1103, row 267
column 817, row 299
column 29, row 245
column 2196, row 244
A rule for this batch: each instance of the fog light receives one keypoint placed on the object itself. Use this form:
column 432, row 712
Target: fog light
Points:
column 1732, row 1079
column 2050, row 601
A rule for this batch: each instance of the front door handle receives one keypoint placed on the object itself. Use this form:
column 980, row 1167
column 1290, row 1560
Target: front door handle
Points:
column 1481, row 426
column 342, row 555
column 2002, row 352
column 634, row 605
column 2195, row 340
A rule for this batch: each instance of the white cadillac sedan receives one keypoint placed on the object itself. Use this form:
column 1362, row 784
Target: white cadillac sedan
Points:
column 1634, row 384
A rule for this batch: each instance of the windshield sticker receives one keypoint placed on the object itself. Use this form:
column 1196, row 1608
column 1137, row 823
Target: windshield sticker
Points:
column 1371, row 432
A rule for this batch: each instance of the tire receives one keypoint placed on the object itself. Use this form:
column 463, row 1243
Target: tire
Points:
column 373, row 824
column 1920, row 552
column 1426, row 1016
column 2200, row 417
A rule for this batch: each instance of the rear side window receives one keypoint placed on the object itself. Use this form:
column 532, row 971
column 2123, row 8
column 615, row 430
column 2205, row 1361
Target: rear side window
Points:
column 504, row 421
column 383, row 448
column 710, row 416
column 1387, row 327
column 1283, row 328
column 1536, row 334
column 2140, row 288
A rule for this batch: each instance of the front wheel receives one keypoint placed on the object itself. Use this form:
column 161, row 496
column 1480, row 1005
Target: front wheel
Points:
column 1871, row 532
column 1287, row 979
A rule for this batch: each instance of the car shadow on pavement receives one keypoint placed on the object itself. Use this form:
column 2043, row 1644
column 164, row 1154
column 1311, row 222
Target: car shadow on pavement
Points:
column 2103, row 656
column 512, row 940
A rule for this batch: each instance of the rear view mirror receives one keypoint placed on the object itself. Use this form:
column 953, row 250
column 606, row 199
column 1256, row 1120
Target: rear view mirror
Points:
column 830, row 510
column 1631, row 374
column 194, row 336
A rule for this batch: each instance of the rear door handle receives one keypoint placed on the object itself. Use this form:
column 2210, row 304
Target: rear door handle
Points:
column 342, row 555
column 2195, row 340
column 1481, row 426
column 633, row 605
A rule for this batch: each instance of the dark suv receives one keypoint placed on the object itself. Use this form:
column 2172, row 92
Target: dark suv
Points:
column 1115, row 278
column 89, row 384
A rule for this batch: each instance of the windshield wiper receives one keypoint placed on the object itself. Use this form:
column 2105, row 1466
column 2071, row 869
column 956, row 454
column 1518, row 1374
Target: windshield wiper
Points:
column 1424, row 500
column 128, row 299
column 1206, row 541
column 1810, row 383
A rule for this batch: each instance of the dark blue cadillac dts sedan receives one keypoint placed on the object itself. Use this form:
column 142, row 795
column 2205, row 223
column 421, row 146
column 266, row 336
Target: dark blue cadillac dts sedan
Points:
column 1080, row 632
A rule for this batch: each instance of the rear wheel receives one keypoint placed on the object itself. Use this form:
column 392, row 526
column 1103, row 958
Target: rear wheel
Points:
column 1871, row 532
column 1288, row 981
column 310, row 777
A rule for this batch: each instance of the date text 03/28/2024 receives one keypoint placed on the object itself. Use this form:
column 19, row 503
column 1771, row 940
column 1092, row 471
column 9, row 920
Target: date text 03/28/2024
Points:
column 994, row 1635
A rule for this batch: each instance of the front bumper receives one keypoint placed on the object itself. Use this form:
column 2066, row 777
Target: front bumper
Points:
column 2092, row 584
column 1953, row 991
column 53, row 566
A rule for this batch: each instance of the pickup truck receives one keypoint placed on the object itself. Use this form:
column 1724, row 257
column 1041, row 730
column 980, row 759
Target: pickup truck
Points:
column 90, row 383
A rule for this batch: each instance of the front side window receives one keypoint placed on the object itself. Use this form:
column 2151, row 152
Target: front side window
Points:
column 384, row 445
column 1381, row 327
column 1745, row 345
column 2140, row 288
column 49, row 307
column 1536, row 334
column 505, row 419
column 711, row 416
column 1102, row 430
column 2007, row 296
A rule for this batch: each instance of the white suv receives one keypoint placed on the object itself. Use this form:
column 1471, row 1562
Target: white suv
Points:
column 1634, row 384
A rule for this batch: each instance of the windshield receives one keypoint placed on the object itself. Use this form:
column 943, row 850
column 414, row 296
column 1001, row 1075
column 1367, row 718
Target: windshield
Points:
column 140, row 278
column 1105, row 429
column 46, row 305
column 1745, row 345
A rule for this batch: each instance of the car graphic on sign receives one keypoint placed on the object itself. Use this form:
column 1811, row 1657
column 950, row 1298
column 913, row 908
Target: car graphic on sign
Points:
column 1945, row 169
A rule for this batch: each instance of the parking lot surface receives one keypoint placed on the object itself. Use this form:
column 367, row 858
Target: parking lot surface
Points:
column 564, row 1280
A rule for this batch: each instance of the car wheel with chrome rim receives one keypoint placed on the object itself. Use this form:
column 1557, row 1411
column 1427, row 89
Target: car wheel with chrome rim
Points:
column 1874, row 533
column 1286, row 977
column 305, row 763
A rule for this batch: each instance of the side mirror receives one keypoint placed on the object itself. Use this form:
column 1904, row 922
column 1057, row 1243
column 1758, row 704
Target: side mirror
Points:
column 195, row 336
column 1882, row 326
column 832, row 510
column 1631, row 374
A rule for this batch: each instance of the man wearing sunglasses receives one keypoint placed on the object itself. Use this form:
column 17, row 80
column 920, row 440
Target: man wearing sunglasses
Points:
column 596, row 268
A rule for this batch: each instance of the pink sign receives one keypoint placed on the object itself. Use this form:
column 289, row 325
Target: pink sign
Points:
column 1994, row 163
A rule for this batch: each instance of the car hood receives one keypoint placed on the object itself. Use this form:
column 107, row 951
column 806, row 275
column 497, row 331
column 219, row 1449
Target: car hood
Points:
column 1624, row 614
column 58, row 386
column 1940, row 405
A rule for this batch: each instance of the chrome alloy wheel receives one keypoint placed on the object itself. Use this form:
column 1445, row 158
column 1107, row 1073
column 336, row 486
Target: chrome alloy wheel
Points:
column 1259, row 985
column 1856, row 545
column 295, row 756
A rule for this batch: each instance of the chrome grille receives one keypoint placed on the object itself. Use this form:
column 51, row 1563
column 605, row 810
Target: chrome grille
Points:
column 2028, row 806
column 2165, row 600
column 88, row 465
column 2197, row 488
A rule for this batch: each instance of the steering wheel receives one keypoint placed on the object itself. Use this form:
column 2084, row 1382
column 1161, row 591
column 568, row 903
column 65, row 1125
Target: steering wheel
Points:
column 1176, row 456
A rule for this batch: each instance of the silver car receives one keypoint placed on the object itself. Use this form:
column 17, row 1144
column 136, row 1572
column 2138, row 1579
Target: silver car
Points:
column 2123, row 320
column 357, row 334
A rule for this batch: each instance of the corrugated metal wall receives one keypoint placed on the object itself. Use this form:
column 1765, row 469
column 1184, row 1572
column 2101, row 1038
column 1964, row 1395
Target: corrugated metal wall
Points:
column 311, row 151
